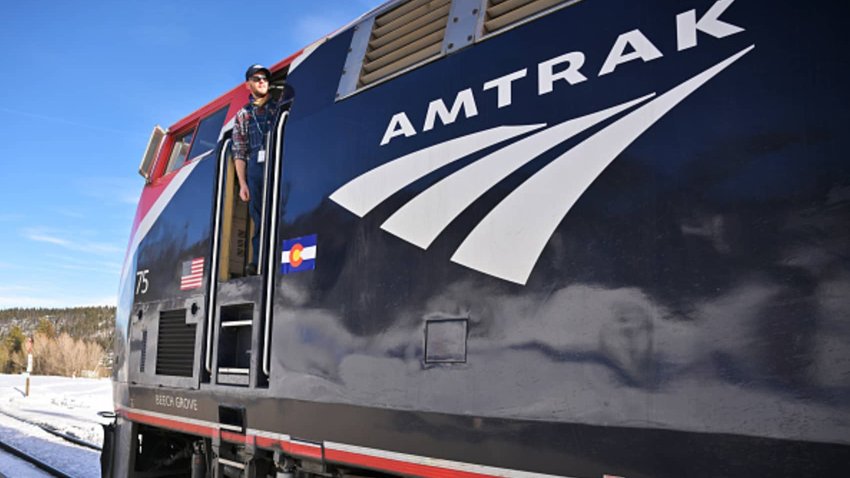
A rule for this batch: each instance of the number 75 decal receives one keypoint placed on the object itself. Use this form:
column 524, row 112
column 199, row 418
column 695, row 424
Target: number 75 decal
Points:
column 142, row 283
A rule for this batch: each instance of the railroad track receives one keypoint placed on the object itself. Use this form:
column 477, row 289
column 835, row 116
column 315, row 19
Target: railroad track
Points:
column 64, row 436
column 12, row 450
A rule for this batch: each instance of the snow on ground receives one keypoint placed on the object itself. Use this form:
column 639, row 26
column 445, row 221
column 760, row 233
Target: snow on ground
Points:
column 67, row 405
column 15, row 468
column 76, row 461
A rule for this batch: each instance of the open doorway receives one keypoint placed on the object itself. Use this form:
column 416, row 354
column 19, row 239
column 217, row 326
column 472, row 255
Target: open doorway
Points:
column 237, row 226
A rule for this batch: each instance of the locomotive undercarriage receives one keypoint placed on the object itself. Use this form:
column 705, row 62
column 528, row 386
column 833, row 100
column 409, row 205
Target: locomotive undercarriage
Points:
column 161, row 453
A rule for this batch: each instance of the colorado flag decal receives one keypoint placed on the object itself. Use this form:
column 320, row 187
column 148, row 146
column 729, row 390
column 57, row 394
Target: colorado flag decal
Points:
column 299, row 254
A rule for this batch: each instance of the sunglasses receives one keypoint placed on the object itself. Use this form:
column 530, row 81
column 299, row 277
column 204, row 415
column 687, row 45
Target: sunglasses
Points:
column 257, row 79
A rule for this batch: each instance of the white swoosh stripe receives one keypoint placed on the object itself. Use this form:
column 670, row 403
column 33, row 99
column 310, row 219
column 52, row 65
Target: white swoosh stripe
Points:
column 150, row 218
column 510, row 239
column 366, row 191
column 422, row 219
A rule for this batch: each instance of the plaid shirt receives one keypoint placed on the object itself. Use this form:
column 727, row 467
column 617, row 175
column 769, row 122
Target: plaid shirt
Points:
column 251, row 125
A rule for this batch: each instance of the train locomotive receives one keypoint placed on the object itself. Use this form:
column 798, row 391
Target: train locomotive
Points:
column 514, row 238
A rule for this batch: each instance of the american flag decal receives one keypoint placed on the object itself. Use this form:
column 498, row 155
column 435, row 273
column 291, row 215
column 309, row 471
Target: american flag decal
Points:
column 193, row 274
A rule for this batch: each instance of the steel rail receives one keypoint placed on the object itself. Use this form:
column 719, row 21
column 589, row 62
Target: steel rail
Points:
column 64, row 436
column 33, row 460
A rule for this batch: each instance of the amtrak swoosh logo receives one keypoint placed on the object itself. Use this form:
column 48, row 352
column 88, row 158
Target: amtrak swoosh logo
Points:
column 528, row 215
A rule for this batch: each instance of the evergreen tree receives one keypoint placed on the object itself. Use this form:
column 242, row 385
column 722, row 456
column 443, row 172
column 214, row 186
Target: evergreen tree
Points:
column 46, row 328
column 15, row 339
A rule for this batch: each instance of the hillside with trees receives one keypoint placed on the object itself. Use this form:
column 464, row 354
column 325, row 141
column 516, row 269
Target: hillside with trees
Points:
column 70, row 342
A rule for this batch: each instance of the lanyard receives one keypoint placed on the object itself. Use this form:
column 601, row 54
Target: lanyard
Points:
column 257, row 123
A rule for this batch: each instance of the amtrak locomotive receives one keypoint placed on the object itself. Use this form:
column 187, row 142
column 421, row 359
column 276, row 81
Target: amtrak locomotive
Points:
column 526, row 238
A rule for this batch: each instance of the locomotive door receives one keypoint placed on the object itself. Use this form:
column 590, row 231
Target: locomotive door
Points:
column 238, row 326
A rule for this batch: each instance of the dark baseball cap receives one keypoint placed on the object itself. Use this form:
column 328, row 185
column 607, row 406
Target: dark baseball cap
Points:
column 253, row 69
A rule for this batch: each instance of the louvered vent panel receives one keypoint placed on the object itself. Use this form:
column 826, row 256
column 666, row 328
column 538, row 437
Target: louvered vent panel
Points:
column 144, row 351
column 175, row 347
column 404, row 36
column 504, row 13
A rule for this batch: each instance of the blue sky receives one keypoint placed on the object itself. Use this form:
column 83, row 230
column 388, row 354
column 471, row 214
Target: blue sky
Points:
column 83, row 84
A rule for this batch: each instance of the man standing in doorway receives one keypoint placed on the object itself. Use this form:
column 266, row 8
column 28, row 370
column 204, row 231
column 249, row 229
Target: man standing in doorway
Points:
column 251, row 131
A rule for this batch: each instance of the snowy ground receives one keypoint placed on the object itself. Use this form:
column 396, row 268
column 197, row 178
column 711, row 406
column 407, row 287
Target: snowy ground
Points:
column 68, row 405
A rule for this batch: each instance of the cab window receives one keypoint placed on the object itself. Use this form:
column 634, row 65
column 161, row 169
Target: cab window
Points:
column 180, row 151
column 208, row 131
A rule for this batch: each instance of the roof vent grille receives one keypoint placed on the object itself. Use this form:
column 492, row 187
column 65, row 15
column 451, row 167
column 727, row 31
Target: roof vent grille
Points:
column 404, row 36
column 504, row 13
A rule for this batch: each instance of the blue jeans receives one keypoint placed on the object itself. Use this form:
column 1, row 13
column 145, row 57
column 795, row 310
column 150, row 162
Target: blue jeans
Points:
column 255, row 208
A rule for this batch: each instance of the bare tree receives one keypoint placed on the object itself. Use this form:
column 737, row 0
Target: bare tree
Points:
column 65, row 355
